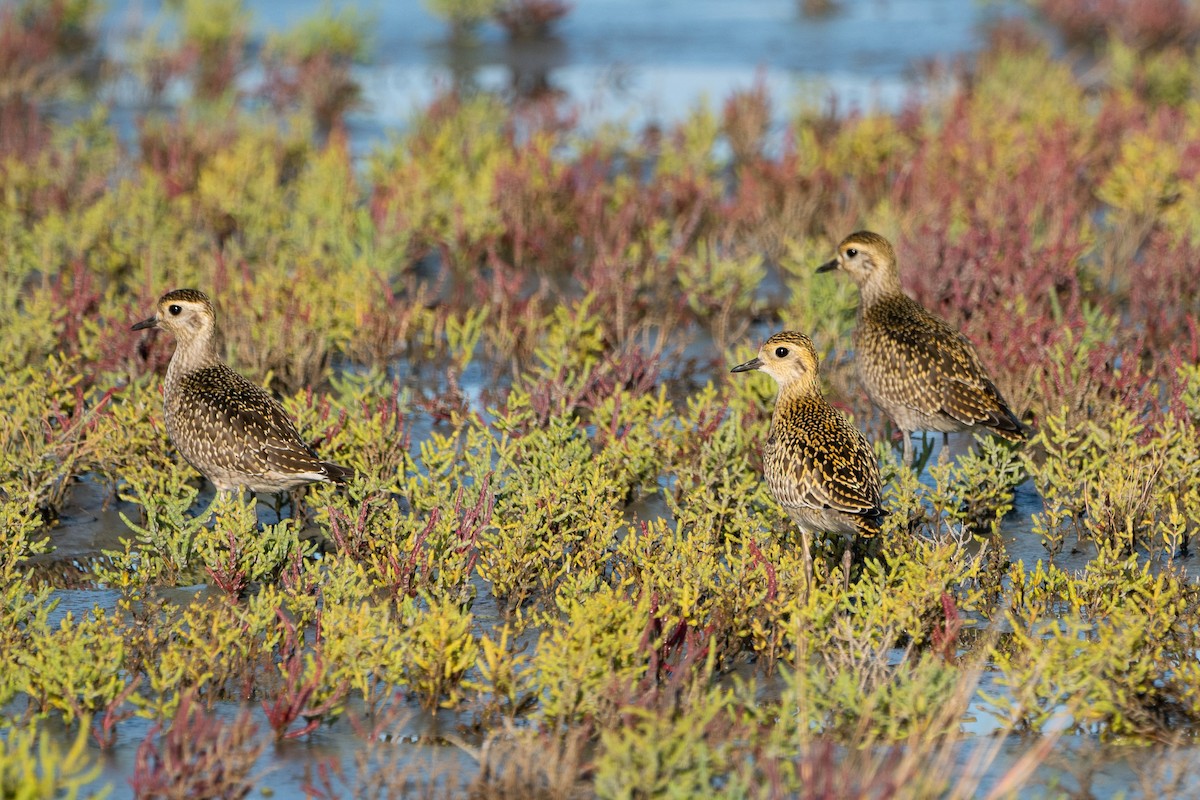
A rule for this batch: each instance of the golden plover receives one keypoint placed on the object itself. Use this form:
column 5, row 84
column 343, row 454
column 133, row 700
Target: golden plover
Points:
column 924, row 374
column 818, row 466
column 231, row 430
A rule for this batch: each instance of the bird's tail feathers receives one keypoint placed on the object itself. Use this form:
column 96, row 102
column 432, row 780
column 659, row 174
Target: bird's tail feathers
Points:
column 337, row 473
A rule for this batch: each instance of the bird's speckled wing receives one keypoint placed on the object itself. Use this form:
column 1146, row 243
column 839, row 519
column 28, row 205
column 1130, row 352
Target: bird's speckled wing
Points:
column 817, row 459
column 237, row 426
column 918, row 360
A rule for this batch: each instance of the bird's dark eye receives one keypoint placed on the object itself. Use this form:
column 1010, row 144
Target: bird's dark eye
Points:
column 781, row 352
column 851, row 253
column 175, row 310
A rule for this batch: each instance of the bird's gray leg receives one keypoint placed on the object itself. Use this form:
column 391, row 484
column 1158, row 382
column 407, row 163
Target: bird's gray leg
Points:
column 808, row 562
column 908, row 447
column 279, row 505
column 847, row 556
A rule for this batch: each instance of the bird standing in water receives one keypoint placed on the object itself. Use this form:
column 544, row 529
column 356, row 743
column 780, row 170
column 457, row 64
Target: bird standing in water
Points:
column 817, row 465
column 231, row 430
column 919, row 370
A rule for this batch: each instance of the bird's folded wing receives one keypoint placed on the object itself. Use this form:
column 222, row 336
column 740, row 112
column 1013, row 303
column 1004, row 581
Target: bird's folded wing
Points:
column 946, row 375
column 840, row 478
column 258, row 434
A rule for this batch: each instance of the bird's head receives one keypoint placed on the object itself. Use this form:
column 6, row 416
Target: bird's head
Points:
column 788, row 357
column 866, row 257
column 187, row 313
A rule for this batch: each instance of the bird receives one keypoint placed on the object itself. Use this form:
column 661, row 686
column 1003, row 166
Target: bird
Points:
column 816, row 463
column 231, row 430
column 924, row 374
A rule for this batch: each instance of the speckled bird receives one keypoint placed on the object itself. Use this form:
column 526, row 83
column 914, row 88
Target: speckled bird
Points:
column 818, row 466
column 231, row 430
column 924, row 374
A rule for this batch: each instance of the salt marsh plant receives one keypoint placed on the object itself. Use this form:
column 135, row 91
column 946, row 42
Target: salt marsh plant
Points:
column 71, row 668
column 515, row 330
column 197, row 755
column 45, row 436
column 463, row 16
column 212, row 41
column 439, row 650
column 46, row 48
column 1114, row 643
column 309, row 66
column 34, row 764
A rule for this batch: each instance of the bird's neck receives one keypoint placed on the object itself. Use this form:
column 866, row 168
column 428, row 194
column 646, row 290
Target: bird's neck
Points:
column 796, row 393
column 881, row 285
column 192, row 354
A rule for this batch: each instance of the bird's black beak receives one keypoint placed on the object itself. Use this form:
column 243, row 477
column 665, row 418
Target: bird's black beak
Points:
column 828, row 266
column 146, row 323
column 754, row 363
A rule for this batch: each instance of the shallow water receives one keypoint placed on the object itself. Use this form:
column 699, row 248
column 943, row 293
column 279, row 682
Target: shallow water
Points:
column 413, row 740
column 439, row 747
column 635, row 63
column 626, row 60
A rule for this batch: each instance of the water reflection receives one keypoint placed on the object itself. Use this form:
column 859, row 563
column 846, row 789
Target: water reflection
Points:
column 620, row 59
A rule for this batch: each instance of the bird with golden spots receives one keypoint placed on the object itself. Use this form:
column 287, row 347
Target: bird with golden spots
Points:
column 916, row 367
column 817, row 465
column 230, row 429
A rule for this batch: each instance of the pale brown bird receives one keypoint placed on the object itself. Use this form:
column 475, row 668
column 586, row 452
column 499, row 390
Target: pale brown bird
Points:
column 817, row 465
column 231, row 430
column 919, row 370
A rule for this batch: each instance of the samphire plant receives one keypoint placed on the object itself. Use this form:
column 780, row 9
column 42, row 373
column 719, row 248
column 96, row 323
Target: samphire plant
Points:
column 516, row 331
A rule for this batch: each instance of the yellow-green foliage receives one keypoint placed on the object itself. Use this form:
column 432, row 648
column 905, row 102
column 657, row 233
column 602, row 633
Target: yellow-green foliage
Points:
column 34, row 765
column 653, row 754
column 1026, row 86
column 1112, row 649
column 43, row 442
column 690, row 151
column 718, row 287
column 691, row 573
column 976, row 490
column 452, row 202
column 209, row 23
column 501, row 671
column 516, row 331
column 635, row 437
column 1117, row 481
column 560, row 515
column 1144, row 176
column 461, row 13
column 343, row 32
column 1166, row 77
column 439, row 649
column 25, row 607
column 1174, row 206
column 75, row 668
column 133, row 458
column 590, row 657
column 868, row 144
column 211, row 649
column 361, row 642
column 168, row 534
column 234, row 552
column 810, row 296
column 921, row 697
